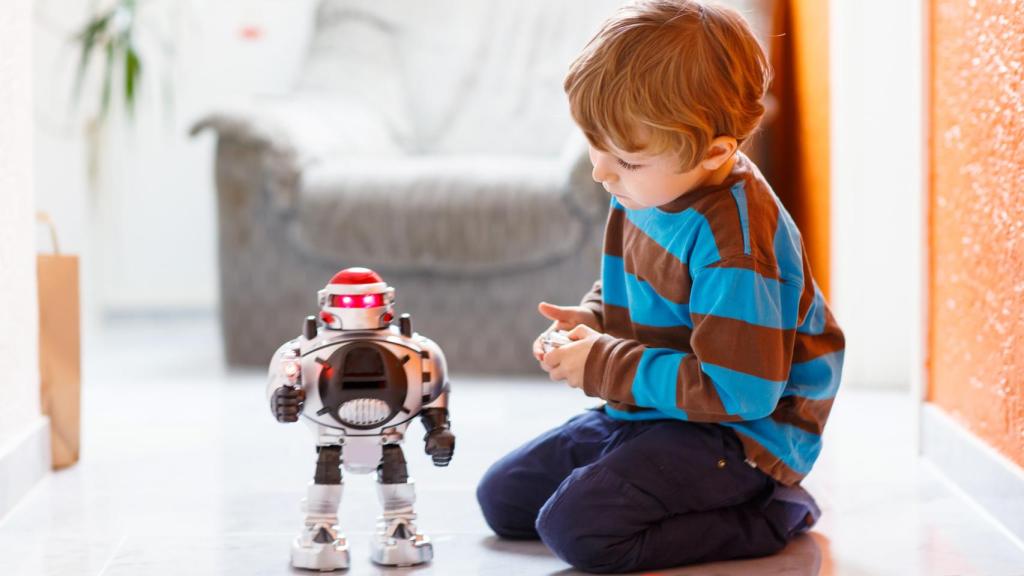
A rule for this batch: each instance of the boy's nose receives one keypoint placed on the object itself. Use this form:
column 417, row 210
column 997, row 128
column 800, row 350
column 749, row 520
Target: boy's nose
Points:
column 602, row 174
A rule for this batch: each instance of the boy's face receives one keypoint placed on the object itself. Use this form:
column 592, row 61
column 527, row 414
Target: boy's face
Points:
column 640, row 180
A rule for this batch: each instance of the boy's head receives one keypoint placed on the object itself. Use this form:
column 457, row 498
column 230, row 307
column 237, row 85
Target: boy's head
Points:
column 672, row 85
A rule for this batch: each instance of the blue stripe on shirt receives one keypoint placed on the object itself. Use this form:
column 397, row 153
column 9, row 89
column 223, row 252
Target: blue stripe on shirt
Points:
column 639, row 415
column 613, row 281
column 788, row 247
column 743, row 394
column 816, row 379
column 814, row 322
column 740, row 196
column 678, row 233
column 645, row 305
column 745, row 295
column 648, row 307
column 657, row 379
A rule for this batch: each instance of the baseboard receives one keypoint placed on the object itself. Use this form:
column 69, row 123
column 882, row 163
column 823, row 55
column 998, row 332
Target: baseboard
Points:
column 24, row 460
column 992, row 480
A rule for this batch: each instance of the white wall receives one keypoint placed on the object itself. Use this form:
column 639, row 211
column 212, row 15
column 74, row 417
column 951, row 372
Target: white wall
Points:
column 877, row 68
column 19, row 361
column 147, row 233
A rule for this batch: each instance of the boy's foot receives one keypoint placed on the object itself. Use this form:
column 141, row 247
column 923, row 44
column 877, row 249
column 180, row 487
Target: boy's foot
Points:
column 795, row 507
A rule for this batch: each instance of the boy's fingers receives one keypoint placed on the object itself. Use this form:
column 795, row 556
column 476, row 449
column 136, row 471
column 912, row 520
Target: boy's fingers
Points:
column 581, row 331
column 556, row 375
column 551, row 360
column 552, row 312
column 538, row 353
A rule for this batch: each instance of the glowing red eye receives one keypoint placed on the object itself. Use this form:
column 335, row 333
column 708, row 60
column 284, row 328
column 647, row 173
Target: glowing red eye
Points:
column 360, row 301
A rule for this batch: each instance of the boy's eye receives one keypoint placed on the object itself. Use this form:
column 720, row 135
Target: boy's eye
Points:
column 627, row 165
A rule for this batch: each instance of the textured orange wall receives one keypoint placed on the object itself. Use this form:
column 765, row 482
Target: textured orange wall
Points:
column 976, row 324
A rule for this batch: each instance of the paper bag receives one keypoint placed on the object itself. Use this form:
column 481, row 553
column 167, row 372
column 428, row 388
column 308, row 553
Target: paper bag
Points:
column 60, row 350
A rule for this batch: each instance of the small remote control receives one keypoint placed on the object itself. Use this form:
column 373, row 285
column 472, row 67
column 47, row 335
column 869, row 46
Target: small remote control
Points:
column 555, row 339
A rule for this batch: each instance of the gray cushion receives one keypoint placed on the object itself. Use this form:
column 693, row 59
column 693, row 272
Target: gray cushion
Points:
column 445, row 215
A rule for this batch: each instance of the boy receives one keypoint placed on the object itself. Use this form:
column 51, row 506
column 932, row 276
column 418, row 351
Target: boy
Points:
column 707, row 337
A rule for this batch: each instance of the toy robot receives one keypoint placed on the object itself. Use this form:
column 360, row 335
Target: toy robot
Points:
column 358, row 381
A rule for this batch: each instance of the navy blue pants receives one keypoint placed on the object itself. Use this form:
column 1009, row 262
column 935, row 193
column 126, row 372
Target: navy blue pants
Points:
column 609, row 495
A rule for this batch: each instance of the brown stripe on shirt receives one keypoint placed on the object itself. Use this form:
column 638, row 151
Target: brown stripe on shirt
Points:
column 810, row 346
column 613, row 232
column 673, row 337
column 723, row 219
column 612, row 380
column 617, row 322
column 763, row 222
column 737, row 345
column 625, row 407
column 593, row 301
column 652, row 263
column 696, row 394
column 803, row 413
column 807, row 296
column 762, row 267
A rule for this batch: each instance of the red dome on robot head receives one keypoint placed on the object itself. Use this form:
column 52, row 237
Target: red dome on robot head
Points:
column 356, row 299
column 356, row 276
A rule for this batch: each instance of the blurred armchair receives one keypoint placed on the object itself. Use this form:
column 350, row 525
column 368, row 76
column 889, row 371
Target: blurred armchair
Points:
column 430, row 141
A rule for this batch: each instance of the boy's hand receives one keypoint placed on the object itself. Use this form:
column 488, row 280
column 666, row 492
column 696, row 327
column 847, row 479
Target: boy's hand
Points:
column 568, row 361
column 565, row 318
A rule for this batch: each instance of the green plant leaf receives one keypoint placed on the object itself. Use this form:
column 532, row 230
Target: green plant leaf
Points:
column 87, row 38
column 107, row 79
column 132, row 72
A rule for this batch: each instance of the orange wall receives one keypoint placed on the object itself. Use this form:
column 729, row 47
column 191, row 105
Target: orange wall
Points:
column 800, row 140
column 810, row 19
column 976, row 232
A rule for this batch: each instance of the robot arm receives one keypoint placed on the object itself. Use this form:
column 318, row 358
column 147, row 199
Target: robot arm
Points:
column 284, row 386
column 439, row 440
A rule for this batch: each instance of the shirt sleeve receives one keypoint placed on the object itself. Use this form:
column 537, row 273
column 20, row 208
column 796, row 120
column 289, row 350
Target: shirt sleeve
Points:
column 594, row 302
column 736, row 363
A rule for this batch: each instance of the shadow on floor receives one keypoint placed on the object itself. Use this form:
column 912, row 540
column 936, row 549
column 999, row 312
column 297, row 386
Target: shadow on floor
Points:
column 806, row 555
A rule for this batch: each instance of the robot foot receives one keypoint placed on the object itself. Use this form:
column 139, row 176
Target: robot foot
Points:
column 401, row 545
column 320, row 547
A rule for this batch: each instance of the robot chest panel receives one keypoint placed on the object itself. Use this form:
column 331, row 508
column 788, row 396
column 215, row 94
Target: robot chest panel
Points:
column 362, row 384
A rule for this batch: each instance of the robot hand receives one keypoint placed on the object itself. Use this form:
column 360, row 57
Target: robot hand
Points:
column 286, row 403
column 440, row 444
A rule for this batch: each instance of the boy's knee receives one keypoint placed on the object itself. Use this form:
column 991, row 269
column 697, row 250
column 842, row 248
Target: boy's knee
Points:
column 496, row 495
column 568, row 526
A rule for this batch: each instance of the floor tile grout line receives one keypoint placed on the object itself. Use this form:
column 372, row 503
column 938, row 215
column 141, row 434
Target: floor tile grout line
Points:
column 113, row 554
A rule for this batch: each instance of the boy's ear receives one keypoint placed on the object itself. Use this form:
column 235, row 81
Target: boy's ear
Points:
column 719, row 151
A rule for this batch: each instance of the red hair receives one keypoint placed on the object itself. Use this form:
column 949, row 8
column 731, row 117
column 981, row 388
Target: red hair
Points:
column 669, row 75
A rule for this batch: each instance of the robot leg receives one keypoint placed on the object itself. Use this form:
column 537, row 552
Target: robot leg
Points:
column 397, row 543
column 320, row 545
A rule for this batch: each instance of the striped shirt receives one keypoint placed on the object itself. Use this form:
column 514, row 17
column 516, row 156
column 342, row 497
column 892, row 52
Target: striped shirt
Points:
column 710, row 314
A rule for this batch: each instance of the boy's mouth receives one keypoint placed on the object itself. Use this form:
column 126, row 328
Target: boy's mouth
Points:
column 613, row 192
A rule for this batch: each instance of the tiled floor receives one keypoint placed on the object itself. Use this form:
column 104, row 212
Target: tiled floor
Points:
column 184, row 472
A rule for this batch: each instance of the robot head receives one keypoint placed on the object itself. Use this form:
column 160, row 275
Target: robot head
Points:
column 356, row 299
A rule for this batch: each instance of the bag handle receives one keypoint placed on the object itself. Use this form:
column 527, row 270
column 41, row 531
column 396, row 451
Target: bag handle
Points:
column 44, row 218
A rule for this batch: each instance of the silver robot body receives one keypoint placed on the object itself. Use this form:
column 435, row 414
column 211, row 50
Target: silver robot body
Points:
column 363, row 381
